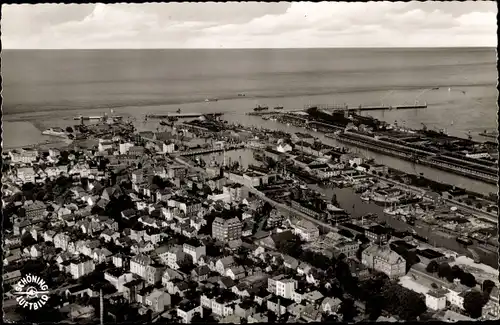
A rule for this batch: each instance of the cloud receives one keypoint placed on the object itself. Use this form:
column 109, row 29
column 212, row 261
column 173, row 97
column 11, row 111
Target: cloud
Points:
column 242, row 25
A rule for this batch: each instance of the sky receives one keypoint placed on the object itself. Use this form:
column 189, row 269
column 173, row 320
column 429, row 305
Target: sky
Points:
column 250, row 25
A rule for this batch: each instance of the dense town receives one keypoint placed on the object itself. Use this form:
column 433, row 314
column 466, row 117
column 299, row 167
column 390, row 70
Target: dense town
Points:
column 125, row 225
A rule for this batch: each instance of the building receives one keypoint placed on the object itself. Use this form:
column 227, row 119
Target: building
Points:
column 435, row 299
column 117, row 277
column 187, row 309
column 227, row 230
column 35, row 210
column 105, row 145
column 456, row 295
column 157, row 301
column 383, row 259
column 139, row 265
column 24, row 156
column 377, row 234
column 282, row 286
column 306, row 230
column 26, row 174
column 428, row 255
column 168, row 147
column 195, row 249
column 81, row 266
column 236, row 192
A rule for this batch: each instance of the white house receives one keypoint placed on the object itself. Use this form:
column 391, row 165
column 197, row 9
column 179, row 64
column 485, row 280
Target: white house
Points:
column 435, row 299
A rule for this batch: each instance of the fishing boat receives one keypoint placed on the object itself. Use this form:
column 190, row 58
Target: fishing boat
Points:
column 278, row 107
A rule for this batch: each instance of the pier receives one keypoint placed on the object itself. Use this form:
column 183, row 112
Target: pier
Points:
column 182, row 115
column 360, row 108
column 273, row 112
column 203, row 151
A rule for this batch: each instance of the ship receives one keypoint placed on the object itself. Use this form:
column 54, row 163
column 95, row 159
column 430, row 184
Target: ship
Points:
column 260, row 108
column 464, row 240
column 278, row 107
column 56, row 132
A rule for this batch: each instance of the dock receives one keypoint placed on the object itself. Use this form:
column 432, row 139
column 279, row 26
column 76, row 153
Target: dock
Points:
column 87, row 118
column 182, row 115
column 279, row 112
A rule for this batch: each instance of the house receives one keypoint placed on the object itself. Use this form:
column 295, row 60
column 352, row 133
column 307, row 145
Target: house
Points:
column 304, row 268
column 311, row 313
column 306, row 230
column 278, row 306
column 236, row 272
column 81, row 266
column 330, row 305
column 195, row 249
column 154, row 273
column 118, row 277
column 139, row 264
column 158, row 300
column 456, row 294
column 223, row 264
column 435, row 299
column 187, row 309
column 200, row 273
column 383, row 259
column 130, row 289
column 282, row 286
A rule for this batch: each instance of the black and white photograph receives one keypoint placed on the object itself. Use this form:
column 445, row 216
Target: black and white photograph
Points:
column 249, row 162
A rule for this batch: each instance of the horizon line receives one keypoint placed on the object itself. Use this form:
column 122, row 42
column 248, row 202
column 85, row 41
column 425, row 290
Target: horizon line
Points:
column 253, row 48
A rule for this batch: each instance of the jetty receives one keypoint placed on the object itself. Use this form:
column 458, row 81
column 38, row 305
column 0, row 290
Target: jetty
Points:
column 182, row 115
column 345, row 107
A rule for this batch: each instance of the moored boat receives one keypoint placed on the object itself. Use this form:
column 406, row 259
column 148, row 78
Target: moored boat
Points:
column 261, row 108
column 464, row 240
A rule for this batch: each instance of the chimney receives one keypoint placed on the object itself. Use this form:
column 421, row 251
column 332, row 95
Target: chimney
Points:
column 101, row 304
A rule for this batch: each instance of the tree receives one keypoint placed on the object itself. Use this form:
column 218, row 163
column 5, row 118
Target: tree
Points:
column 432, row 267
column 69, row 129
column 468, row 279
column 444, row 269
column 347, row 310
column 474, row 302
column 488, row 286
column 479, row 205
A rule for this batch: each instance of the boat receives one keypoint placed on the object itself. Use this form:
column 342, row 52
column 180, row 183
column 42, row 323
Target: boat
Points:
column 261, row 108
column 56, row 132
column 278, row 107
column 365, row 198
column 241, row 95
column 464, row 240
column 163, row 123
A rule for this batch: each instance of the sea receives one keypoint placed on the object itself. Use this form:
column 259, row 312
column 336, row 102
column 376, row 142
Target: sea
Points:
column 47, row 88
